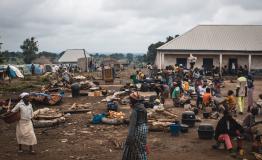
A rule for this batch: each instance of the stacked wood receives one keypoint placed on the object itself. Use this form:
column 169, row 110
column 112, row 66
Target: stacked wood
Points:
column 159, row 126
column 47, row 114
column 77, row 111
column 47, row 117
column 160, row 120
column 48, row 123
column 112, row 121
column 78, row 108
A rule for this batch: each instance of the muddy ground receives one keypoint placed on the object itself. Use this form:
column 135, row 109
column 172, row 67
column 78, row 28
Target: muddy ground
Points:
column 79, row 139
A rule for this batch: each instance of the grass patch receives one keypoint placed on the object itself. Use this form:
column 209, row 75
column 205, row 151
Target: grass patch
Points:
column 22, row 86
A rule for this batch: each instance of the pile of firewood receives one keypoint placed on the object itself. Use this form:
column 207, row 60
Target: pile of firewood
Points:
column 160, row 120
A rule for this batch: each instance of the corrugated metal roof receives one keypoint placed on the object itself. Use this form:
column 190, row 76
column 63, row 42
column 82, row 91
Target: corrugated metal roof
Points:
column 218, row 37
column 72, row 55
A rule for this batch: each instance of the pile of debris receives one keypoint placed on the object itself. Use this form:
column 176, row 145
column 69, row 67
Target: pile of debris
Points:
column 47, row 117
column 160, row 119
column 79, row 108
column 43, row 98
column 112, row 118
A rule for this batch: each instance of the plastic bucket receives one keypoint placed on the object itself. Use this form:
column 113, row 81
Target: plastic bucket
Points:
column 175, row 129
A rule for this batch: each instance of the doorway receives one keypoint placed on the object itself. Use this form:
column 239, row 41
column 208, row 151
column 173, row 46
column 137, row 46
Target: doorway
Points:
column 182, row 61
column 232, row 65
column 208, row 63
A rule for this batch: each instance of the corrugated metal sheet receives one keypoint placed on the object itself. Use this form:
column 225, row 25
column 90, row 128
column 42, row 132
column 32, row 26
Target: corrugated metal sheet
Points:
column 219, row 37
column 72, row 55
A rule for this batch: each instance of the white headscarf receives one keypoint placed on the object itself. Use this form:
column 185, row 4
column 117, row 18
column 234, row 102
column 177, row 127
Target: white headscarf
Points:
column 22, row 95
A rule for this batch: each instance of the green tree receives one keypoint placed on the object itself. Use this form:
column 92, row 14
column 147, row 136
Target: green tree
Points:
column 117, row 56
column 130, row 57
column 152, row 49
column 29, row 47
column 169, row 38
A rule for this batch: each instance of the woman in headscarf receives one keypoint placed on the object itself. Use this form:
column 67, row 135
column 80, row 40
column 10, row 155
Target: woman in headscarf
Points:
column 135, row 146
column 25, row 134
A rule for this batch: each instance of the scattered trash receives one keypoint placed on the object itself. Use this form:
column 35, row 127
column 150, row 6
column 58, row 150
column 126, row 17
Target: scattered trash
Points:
column 64, row 140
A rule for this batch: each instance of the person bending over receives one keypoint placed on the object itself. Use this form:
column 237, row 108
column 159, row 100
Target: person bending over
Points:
column 227, row 129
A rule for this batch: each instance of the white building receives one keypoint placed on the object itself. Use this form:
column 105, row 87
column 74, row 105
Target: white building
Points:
column 218, row 45
column 72, row 56
column 76, row 56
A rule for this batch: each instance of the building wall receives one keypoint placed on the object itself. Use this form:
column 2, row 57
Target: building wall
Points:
column 83, row 64
column 170, row 59
column 242, row 58
column 200, row 58
column 256, row 62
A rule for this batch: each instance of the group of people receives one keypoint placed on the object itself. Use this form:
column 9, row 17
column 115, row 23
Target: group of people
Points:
column 174, row 83
column 69, row 68
column 234, row 70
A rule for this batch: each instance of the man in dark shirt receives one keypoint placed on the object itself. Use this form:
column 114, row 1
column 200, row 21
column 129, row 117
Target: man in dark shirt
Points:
column 33, row 69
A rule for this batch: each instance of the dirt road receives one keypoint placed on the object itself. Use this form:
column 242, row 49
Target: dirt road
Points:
column 78, row 139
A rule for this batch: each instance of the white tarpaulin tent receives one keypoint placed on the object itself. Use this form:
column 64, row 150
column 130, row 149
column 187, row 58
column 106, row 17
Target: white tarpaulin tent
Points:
column 16, row 71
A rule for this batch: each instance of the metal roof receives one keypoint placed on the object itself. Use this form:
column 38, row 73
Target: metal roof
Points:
column 218, row 37
column 72, row 55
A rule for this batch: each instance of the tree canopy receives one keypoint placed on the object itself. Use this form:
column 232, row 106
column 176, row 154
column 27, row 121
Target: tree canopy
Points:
column 129, row 57
column 152, row 49
column 117, row 56
column 29, row 47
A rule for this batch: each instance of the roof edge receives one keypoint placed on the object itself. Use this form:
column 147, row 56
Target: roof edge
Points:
column 172, row 50
column 178, row 37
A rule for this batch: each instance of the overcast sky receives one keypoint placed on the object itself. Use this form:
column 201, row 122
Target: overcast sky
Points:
column 114, row 25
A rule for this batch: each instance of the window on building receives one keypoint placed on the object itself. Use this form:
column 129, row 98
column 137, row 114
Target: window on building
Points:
column 208, row 63
column 182, row 61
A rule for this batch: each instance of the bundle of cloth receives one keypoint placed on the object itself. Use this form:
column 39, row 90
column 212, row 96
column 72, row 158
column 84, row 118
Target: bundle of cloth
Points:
column 51, row 99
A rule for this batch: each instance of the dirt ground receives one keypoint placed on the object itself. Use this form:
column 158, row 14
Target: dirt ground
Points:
column 79, row 139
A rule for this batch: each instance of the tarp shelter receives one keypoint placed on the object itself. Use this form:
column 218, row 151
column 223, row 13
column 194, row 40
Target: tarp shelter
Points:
column 15, row 72
column 24, row 69
column 38, row 69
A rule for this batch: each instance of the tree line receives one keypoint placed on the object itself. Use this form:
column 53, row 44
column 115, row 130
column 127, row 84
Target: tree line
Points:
column 30, row 48
column 29, row 53
column 152, row 49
